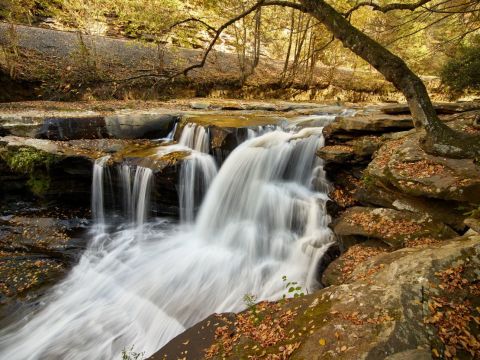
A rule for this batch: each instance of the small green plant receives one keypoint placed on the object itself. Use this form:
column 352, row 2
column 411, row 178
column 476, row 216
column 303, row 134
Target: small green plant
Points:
column 129, row 354
column 250, row 301
column 368, row 180
column 292, row 288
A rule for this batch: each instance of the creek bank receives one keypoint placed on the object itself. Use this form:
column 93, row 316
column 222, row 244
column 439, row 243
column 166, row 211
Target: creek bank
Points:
column 400, row 299
column 405, row 283
column 68, row 65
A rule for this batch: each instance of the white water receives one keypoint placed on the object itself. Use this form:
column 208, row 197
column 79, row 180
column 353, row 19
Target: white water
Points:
column 195, row 137
column 263, row 217
column 196, row 176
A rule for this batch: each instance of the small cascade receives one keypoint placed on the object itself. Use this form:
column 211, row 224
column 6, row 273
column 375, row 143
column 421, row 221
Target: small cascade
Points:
column 141, row 193
column 197, row 171
column 98, row 207
column 195, row 137
column 136, row 193
column 196, row 175
column 171, row 134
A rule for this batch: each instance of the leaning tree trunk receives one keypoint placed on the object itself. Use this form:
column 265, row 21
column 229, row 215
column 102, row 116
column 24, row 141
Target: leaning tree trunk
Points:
column 439, row 138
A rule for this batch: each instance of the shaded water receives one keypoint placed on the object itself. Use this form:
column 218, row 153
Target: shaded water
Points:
column 147, row 280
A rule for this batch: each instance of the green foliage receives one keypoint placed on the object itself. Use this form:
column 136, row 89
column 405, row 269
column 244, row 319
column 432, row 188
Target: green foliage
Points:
column 250, row 301
column 26, row 159
column 130, row 354
column 39, row 183
column 462, row 72
column 32, row 162
column 292, row 288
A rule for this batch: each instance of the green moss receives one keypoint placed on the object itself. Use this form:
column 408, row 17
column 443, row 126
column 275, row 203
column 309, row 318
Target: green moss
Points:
column 368, row 180
column 32, row 162
column 26, row 159
column 39, row 183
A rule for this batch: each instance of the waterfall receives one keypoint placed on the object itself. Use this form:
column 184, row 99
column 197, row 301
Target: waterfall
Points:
column 136, row 194
column 195, row 137
column 197, row 171
column 196, row 175
column 98, row 210
column 263, row 217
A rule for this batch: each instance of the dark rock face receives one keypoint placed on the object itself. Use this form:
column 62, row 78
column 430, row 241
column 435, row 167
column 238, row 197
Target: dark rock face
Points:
column 140, row 125
column 35, row 252
column 224, row 140
column 73, row 128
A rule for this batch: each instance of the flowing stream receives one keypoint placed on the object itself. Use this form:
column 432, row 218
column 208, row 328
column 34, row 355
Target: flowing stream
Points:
column 145, row 280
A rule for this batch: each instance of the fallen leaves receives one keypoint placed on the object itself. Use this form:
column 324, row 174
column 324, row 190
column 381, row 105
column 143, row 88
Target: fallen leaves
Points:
column 383, row 225
column 265, row 327
column 454, row 317
column 421, row 242
column 356, row 255
column 419, row 169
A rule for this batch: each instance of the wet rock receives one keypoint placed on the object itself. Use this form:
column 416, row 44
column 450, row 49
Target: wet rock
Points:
column 199, row 105
column 23, row 124
column 47, row 169
column 371, row 193
column 356, row 151
column 338, row 154
column 332, row 253
column 35, row 252
column 392, row 227
column 141, row 125
column 69, row 128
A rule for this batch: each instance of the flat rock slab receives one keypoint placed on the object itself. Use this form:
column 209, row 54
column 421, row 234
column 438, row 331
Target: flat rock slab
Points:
column 441, row 108
column 392, row 227
column 375, row 122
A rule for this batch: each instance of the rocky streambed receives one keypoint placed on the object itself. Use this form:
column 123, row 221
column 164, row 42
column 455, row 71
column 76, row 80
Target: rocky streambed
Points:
column 401, row 280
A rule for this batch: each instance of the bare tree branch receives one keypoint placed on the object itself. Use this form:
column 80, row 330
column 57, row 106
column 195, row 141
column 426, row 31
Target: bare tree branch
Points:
column 388, row 7
column 192, row 19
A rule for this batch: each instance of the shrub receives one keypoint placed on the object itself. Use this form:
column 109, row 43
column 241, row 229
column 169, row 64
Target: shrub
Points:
column 462, row 72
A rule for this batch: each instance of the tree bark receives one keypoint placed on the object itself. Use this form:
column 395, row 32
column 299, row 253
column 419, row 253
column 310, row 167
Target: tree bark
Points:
column 439, row 137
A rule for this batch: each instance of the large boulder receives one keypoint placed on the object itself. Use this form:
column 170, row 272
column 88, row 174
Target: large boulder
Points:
column 415, row 303
column 403, row 164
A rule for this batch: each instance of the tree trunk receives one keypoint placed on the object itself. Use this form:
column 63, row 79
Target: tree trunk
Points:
column 439, row 137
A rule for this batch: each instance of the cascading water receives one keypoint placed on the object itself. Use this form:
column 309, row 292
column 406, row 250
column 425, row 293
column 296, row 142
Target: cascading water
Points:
column 197, row 171
column 263, row 217
column 195, row 137
column 196, row 175
column 97, row 189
